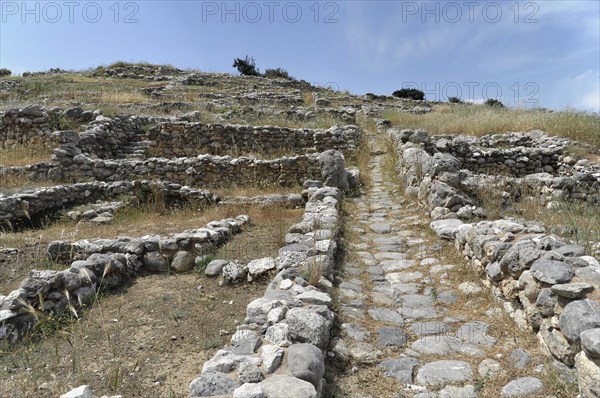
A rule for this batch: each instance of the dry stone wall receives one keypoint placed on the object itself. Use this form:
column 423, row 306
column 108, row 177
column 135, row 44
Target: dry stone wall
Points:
column 515, row 154
column 39, row 202
column 439, row 180
column 203, row 170
column 187, row 139
column 32, row 125
column 279, row 349
column 548, row 286
column 100, row 265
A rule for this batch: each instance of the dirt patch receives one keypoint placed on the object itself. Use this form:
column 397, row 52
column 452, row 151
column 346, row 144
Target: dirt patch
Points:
column 147, row 340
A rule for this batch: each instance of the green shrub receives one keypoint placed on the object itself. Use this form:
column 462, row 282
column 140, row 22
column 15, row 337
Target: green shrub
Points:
column 494, row 102
column 409, row 93
column 246, row 66
column 278, row 73
column 5, row 72
column 454, row 100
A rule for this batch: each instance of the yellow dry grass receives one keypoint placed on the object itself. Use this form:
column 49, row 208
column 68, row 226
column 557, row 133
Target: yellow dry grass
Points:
column 122, row 97
column 479, row 120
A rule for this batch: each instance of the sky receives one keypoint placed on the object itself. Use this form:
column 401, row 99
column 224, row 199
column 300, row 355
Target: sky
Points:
column 525, row 53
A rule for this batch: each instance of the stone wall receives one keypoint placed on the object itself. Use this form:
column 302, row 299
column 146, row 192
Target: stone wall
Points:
column 188, row 139
column 34, row 203
column 103, row 264
column 348, row 114
column 29, row 125
column 439, row 180
column 515, row 154
column 547, row 286
column 279, row 350
column 203, row 170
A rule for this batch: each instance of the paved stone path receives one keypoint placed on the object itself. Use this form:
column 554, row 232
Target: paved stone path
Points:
column 401, row 313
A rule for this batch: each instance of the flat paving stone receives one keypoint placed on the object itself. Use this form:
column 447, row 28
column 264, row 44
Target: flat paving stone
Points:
column 347, row 294
column 380, row 228
column 388, row 240
column 447, row 297
column 352, row 285
column 386, row 315
column 375, row 270
column 476, row 333
column 364, row 353
column 445, row 345
column 391, row 336
column 419, row 313
column 400, row 369
column 391, row 256
column 392, row 248
column 430, row 328
column 355, row 331
column 467, row 391
column 406, row 288
column 382, row 299
column 444, row 372
column 390, row 266
column 403, row 277
column 352, row 312
column 522, row 387
column 416, row 301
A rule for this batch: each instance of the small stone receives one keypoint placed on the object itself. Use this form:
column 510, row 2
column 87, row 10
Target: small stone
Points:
column 215, row 267
column 522, row 387
column 488, row 368
column 271, row 356
column 364, row 353
column 183, row 261
column 286, row 284
column 469, row 288
column 79, row 392
column 249, row 390
column 518, row 358
column 590, row 342
column 572, row 290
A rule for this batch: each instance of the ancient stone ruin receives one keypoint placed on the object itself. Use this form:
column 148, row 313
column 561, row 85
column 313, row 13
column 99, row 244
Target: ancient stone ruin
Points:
column 365, row 282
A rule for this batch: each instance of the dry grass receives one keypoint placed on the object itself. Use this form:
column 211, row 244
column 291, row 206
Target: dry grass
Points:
column 122, row 97
column 321, row 121
column 12, row 183
column 309, row 98
column 250, row 191
column 479, row 120
column 26, row 154
column 137, row 221
column 581, row 219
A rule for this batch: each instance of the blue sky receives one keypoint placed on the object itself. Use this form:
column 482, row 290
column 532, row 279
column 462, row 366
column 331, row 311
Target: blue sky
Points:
column 528, row 53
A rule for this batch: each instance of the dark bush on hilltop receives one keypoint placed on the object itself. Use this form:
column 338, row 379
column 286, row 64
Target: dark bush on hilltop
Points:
column 409, row 93
column 5, row 72
column 494, row 102
column 454, row 100
column 246, row 66
column 278, row 73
